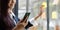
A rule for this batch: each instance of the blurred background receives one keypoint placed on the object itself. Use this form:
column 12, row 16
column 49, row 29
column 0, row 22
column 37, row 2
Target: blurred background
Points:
column 33, row 6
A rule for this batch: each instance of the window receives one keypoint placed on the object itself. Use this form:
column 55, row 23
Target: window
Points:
column 21, row 8
column 33, row 6
column 54, row 7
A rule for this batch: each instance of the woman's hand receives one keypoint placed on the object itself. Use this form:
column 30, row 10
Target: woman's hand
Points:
column 23, row 22
column 21, row 25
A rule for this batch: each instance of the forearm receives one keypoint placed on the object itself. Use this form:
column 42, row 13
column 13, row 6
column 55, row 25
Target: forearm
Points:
column 38, row 16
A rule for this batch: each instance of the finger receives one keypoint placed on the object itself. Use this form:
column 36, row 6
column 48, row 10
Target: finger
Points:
column 20, row 21
column 25, row 19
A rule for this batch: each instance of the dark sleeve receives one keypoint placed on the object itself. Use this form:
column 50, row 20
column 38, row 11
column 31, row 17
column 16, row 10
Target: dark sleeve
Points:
column 6, row 24
column 1, row 25
column 28, row 25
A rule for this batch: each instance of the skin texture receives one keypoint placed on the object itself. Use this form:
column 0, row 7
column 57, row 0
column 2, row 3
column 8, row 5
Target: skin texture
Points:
column 11, row 4
column 21, row 25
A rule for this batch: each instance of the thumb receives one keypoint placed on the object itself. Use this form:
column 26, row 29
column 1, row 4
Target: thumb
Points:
column 24, row 21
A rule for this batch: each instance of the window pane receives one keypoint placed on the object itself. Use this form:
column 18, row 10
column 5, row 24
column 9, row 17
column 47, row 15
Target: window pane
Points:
column 21, row 4
column 21, row 13
column 54, row 7
column 21, row 8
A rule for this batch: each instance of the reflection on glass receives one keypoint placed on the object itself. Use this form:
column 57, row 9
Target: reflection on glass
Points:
column 43, row 7
column 36, row 4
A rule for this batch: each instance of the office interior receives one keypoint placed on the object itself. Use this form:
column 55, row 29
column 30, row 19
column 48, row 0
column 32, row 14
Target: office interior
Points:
column 49, row 20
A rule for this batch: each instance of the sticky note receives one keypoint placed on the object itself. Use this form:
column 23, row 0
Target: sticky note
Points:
column 54, row 15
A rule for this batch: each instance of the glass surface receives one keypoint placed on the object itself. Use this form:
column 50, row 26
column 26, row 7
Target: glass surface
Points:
column 34, row 9
column 54, row 14
column 21, row 4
